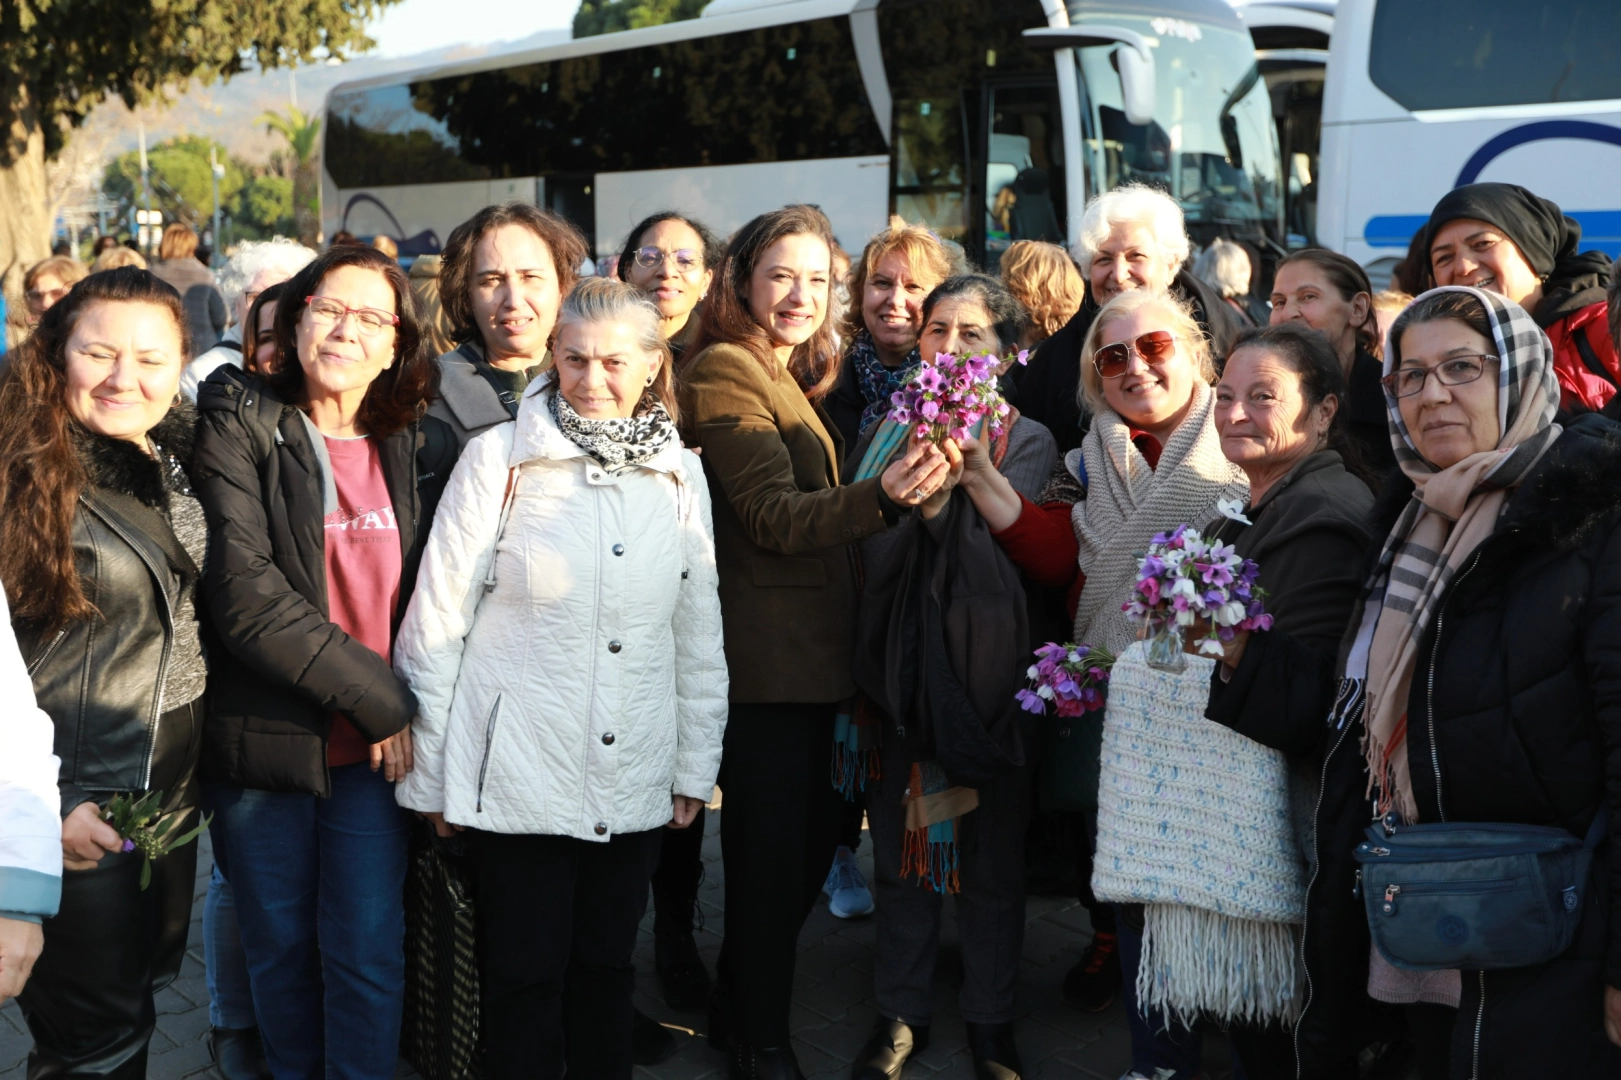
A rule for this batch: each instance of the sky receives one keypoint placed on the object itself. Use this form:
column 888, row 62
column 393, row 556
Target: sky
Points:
column 415, row 26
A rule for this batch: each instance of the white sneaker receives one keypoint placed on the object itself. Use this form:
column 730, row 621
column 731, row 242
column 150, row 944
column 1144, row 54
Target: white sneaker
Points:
column 847, row 894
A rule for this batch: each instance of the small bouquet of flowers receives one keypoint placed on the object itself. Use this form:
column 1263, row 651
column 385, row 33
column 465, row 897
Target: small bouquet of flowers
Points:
column 1186, row 581
column 950, row 394
column 133, row 819
column 1071, row 677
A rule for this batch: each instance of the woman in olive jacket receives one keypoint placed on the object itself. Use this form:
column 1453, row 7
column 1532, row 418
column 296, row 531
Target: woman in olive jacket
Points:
column 763, row 360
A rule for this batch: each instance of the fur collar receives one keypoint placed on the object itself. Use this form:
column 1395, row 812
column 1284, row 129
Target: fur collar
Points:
column 120, row 465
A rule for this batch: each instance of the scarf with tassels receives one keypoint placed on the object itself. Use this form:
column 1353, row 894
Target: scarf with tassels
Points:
column 933, row 804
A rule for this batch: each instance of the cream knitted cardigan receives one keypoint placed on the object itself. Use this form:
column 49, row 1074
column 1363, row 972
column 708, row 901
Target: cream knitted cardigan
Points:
column 1127, row 503
column 1193, row 823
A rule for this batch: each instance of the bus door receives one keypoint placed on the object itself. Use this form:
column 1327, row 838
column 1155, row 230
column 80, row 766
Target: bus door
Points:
column 1019, row 181
column 569, row 196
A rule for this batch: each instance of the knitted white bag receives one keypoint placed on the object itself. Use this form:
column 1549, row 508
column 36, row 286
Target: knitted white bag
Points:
column 1193, row 823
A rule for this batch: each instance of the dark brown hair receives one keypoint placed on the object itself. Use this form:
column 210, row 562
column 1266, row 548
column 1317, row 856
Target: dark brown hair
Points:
column 567, row 247
column 1310, row 355
column 713, row 248
column 1348, row 279
column 250, row 326
column 728, row 320
column 40, row 471
column 1008, row 316
column 1459, row 306
column 402, row 392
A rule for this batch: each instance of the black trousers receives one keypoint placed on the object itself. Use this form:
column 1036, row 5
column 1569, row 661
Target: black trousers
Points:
column 112, row 945
column 676, row 879
column 559, row 918
column 779, row 826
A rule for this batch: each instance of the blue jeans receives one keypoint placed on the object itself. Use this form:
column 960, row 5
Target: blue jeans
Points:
column 319, row 887
column 230, row 997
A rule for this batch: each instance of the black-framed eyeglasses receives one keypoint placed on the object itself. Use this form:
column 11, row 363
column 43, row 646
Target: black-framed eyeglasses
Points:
column 1453, row 371
column 686, row 260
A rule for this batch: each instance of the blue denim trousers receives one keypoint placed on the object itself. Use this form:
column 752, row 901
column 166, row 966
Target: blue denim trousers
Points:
column 230, row 996
column 319, row 887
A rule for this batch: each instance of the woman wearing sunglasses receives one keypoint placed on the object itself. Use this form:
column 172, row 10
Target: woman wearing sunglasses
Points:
column 672, row 260
column 320, row 484
column 502, row 278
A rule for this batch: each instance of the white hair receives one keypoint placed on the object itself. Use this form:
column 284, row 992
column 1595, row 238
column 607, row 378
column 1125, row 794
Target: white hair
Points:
column 254, row 257
column 1134, row 204
column 1225, row 266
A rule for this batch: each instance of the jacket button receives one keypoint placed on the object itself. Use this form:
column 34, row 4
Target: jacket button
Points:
column 608, row 739
column 596, row 476
column 619, row 549
column 601, row 829
column 613, row 646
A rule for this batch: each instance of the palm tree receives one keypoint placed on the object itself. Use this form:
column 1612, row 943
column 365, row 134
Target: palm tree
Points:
column 303, row 138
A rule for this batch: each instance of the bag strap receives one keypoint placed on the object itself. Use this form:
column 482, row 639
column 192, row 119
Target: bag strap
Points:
column 501, row 524
column 1590, row 358
column 486, row 371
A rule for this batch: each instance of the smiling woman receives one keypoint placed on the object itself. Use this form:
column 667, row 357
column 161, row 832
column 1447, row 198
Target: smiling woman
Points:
column 100, row 543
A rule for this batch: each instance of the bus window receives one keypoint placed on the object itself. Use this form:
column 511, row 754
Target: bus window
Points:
column 1457, row 54
column 1024, row 167
column 929, row 171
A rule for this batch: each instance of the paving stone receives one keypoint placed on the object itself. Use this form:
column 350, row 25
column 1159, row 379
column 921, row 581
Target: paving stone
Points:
column 181, row 1061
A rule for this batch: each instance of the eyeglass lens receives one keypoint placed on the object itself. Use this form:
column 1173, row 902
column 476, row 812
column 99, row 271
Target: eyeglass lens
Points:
column 686, row 260
column 1154, row 347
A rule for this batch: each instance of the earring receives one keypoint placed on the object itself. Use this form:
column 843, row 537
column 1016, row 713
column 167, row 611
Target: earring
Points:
column 650, row 379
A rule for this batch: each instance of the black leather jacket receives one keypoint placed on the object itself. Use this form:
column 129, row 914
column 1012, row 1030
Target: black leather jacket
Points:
column 101, row 679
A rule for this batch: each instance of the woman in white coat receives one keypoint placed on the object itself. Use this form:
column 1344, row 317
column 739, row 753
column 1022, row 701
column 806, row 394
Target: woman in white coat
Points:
column 565, row 647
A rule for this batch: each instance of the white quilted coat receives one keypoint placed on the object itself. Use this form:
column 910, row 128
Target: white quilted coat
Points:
column 589, row 684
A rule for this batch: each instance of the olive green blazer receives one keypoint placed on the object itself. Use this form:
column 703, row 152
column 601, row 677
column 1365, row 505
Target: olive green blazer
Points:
column 783, row 527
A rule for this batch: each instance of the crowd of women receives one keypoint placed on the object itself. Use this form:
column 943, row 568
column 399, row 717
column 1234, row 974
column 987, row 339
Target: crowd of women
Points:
column 632, row 538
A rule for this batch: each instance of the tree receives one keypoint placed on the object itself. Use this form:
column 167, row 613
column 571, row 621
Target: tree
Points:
column 302, row 135
column 607, row 16
column 265, row 206
column 181, row 180
column 63, row 57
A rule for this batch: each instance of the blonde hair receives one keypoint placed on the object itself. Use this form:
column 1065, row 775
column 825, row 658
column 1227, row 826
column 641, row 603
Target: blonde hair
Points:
column 114, row 257
column 425, row 284
column 1136, row 204
column 924, row 253
column 1178, row 319
column 64, row 268
column 178, row 242
column 609, row 300
column 1044, row 280
column 386, row 245
column 1391, row 300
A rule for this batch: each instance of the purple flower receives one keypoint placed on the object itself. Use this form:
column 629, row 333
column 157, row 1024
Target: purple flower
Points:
column 129, row 845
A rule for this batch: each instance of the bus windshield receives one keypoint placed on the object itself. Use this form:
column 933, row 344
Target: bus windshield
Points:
column 1212, row 144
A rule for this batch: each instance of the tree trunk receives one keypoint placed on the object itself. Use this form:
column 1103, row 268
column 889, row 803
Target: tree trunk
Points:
column 306, row 212
column 25, row 223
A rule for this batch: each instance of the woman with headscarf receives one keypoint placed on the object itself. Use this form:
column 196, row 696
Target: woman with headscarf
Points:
column 1503, row 238
column 1480, row 679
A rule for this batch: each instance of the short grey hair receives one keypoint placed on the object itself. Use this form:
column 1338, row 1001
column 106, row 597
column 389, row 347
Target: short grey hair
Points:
column 254, row 257
column 1136, row 204
column 609, row 300
column 1225, row 266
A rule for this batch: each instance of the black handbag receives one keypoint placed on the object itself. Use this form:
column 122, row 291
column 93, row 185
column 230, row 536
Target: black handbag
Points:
column 440, row 1035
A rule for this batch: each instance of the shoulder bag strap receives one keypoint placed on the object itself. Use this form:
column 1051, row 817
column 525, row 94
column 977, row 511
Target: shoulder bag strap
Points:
column 1590, row 358
column 501, row 525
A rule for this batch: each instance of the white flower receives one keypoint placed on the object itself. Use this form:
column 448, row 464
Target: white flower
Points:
column 1033, row 674
column 1233, row 510
column 1230, row 614
column 1211, row 647
column 1044, row 691
column 1185, row 618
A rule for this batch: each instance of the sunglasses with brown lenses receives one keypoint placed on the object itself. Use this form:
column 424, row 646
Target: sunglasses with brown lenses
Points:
column 1154, row 347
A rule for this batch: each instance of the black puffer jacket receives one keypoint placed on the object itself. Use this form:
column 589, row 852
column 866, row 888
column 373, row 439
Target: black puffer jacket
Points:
column 101, row 680
column 288, row 666
column 1525, row 660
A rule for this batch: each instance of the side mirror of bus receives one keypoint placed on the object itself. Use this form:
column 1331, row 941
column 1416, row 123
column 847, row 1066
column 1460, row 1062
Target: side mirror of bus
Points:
column 1133, row 59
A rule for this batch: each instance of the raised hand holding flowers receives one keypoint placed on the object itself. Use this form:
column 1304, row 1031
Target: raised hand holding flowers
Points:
column 1188, row 586
column 1072, row 678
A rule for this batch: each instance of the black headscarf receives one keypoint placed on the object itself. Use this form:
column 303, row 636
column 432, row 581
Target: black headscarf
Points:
column 1545, row 236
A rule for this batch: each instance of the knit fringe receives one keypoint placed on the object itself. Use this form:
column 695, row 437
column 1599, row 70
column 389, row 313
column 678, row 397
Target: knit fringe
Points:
column 931, row 853
column 855, row 754
column 1198, row 964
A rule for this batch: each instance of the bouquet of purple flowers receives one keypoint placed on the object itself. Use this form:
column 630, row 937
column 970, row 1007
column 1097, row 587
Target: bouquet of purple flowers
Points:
column 950, row 394
column 1071, row 677
column 1186, row 581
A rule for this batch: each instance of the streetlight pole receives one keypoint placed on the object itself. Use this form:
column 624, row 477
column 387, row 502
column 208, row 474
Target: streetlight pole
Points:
column 218, row 171
column 146, row 190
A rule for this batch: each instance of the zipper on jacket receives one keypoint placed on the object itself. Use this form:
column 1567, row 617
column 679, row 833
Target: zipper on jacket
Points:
column 1317, row 867
column 45, row 653
column 1480, row 1019
column 1429, row 693
column 489, row 741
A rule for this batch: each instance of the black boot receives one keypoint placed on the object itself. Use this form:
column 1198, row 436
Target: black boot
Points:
column 995, row 1055
column 681, row 970
column 886, row 1052
column 762, row 1063
column 1092, row 984
column 650, row 1041
column 238, row 1053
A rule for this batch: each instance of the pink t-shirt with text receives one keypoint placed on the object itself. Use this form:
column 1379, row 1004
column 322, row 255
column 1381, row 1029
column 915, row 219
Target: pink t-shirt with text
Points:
column 363, row 564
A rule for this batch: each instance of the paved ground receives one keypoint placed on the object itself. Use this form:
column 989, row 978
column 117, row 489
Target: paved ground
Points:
column 833, row 1010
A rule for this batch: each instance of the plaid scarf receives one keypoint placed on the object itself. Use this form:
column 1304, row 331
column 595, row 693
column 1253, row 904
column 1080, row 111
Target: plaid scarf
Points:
column 876, row 381
column 1452, row 511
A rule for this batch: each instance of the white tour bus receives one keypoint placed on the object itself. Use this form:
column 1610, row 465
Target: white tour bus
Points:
column 989, row 120
column 1291, row 51
column 1425, row 95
